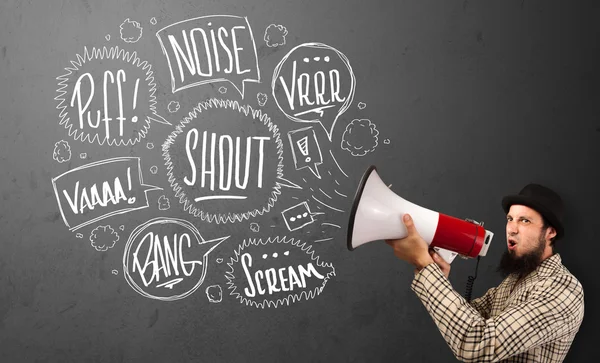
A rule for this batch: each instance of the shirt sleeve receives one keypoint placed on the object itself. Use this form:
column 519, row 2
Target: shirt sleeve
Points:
column 483, row 304
column 554, row 309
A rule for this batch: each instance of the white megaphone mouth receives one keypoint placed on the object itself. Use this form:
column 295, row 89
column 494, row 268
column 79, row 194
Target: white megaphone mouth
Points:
column 357, row 197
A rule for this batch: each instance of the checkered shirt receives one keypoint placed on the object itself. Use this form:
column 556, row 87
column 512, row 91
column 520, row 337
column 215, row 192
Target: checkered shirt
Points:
column 536, row 322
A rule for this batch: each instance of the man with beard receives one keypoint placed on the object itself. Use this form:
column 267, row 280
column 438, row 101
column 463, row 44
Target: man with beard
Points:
column 533, row 315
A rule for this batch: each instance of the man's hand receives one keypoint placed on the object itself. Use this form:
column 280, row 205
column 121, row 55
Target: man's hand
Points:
column 413, row 247
column 444, row 266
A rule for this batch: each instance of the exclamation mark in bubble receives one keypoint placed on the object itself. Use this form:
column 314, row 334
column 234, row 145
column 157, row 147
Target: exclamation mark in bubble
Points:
column 137, row 83
column 303, row 147
column 132, row 199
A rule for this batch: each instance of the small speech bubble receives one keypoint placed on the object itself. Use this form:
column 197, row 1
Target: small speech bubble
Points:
column 99, row 190
column 298, row 216
column 210, row 49
column 107, row 96
column 306, row 150
column 314, row 83
column 167, row 258
column 278, row 280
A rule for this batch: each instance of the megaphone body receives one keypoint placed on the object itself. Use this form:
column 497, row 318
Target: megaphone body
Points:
column 376, row 215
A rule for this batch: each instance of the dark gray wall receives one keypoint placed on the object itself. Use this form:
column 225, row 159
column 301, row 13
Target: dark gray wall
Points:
column 477, row 99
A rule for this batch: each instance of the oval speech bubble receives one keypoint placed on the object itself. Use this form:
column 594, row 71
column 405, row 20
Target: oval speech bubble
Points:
column 107, row 96
column 314, row 82
column 167, row 258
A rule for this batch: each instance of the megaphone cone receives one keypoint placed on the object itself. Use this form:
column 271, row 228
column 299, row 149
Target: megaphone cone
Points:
column 376, row 215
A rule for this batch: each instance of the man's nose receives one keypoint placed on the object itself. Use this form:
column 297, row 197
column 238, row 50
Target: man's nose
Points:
column 511, row 228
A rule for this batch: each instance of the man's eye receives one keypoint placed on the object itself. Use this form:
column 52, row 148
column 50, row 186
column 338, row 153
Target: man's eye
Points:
column 525, row 220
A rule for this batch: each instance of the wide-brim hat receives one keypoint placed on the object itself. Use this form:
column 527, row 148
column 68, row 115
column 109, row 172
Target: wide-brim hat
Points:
column 544, row 200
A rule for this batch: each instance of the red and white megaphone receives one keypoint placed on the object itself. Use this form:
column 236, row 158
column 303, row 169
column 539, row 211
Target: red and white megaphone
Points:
column 376, row 215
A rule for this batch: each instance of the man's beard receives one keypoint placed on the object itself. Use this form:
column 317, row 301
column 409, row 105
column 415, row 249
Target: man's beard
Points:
column 524, row 265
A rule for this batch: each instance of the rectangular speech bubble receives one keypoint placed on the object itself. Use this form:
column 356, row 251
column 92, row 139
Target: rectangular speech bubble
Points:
column 210, row 49
column 100, row 190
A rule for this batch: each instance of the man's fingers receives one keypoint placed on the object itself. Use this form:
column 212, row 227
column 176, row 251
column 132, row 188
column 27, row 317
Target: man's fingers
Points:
column 410, row 225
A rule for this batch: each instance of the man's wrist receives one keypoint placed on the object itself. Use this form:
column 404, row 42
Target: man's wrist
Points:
column 421, row 263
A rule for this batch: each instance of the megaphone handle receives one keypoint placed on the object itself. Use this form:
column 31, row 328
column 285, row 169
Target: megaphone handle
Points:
column 447, row 255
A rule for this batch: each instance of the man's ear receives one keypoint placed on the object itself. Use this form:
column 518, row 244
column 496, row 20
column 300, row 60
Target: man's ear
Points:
column 550, row 232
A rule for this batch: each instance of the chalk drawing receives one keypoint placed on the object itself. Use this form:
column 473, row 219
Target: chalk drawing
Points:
column 150, row 145
column 338, row 165
column 317, row 89
column 115, row 272
column 386, row 141
column 62, row 151
column 261, row 98
column 153, row 21
column 107, row 37
column 254, row 227
column 231, row 58
column 167, row 259
column 173, row 106
column 154, row 169
column 122, row 227
column 323, row 240
column 89, row 115
column 362, row 105
column 298, row 216
column 219, row 260
column 79, row 235
column 330, row 224
column 214, row 293
column 360, row 137
column 83, row 155
column 82, row 201
column 208, row 175
column 222, row 90
column 340, row 194
column 163, row 203
column 131, row 31
column 291, row 277
column 328, row 206
column 103, row 237
column 275, row 35
column 306, row 151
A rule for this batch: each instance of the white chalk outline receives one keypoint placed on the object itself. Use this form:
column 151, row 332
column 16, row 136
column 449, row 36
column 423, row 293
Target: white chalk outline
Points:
column 91, row 165
column 279, row 26
column 136, row 24
column 162, row 220
column 375, row 136
column 212, row 80
column 105, row 248
column 311, row 214
column 178, row 189
column 346, row 103
column 291, row 298
column 310, row 166
column 330, row 224
column 102, row 53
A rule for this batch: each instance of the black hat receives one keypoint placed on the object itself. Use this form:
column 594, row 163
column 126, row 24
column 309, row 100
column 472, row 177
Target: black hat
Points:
column 544, row 200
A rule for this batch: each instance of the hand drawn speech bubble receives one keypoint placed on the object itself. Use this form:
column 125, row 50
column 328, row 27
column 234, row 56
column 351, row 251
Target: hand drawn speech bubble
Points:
column 210, row 49
column 218, row 172
column 275, row 272
column 107, row 96
column 99, row 190
column 314, row 83
column 167, row 258
column 306, row 150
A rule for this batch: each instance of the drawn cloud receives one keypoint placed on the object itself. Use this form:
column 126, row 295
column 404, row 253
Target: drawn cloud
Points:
column 131, row 31
column 163, row 203
column 214, row 293
column 261, row 98
column 62, row 151
column 360, row 137
column 275, row 35
column 103, row 238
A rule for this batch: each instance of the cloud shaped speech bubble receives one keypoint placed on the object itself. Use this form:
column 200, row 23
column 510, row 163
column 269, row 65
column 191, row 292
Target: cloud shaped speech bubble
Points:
column 107, row 96
column 210, row 49
column 314, row 82
column 167, row 258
